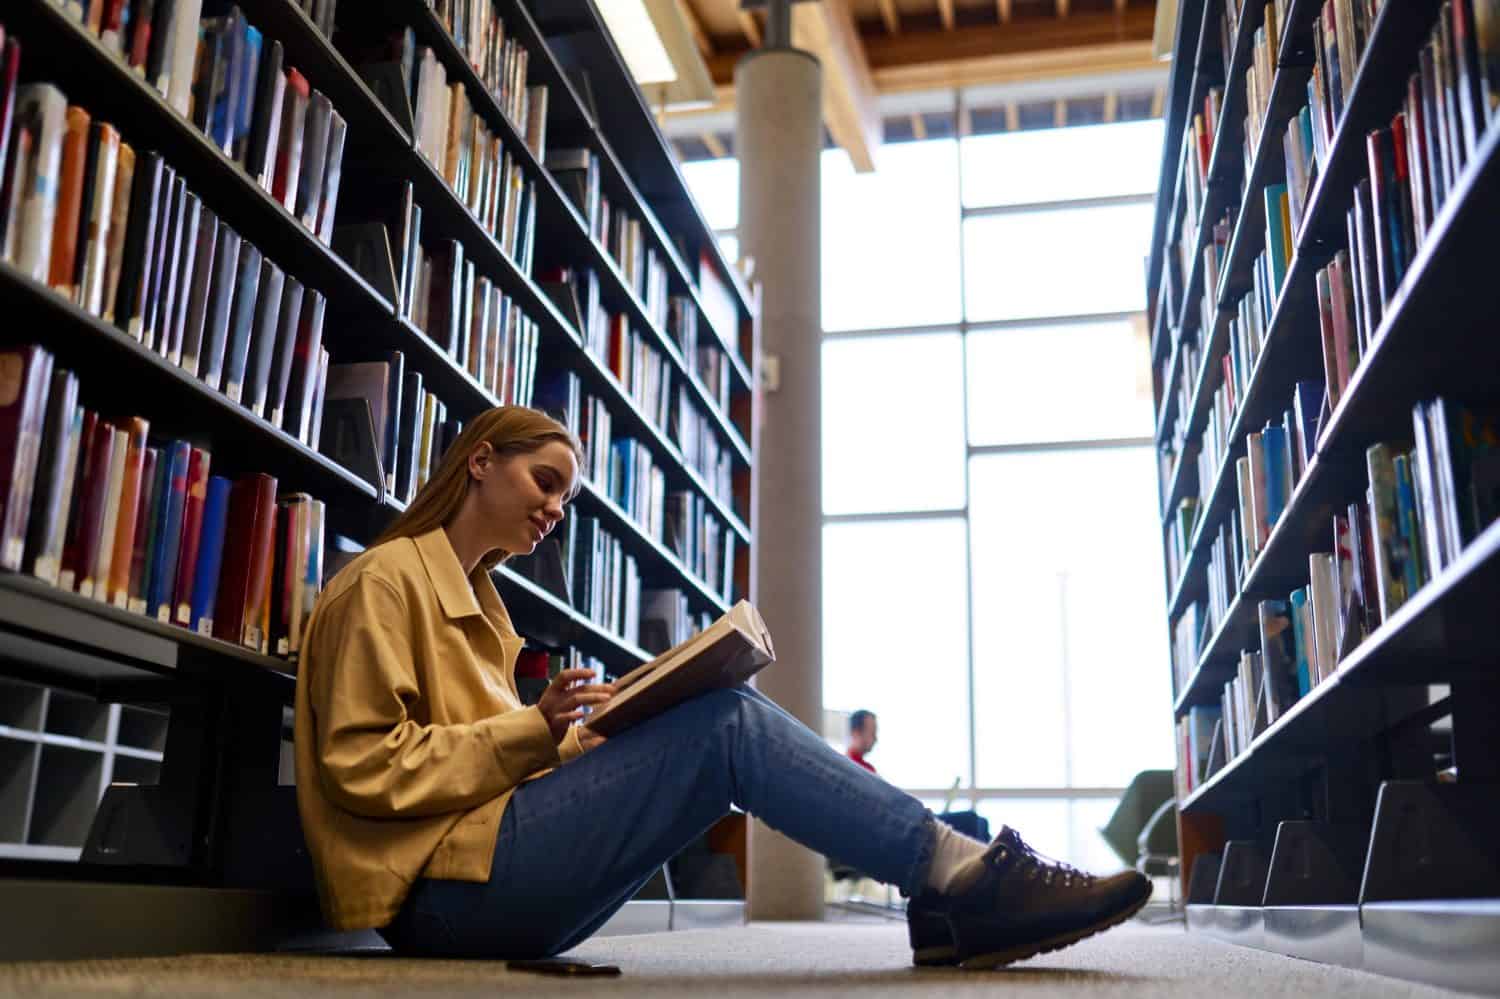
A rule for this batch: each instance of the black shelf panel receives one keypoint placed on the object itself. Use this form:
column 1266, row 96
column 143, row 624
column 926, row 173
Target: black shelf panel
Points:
column 1210, row 374
column 1288, row 93
column 173, row 401
column 1443, row 632
column 1379, row 88
column 1169, row 394
column 93, row 631
column 1179, row 86
column 622, row 111
column 523, row 597
column 1295, row 47
column 59, row 49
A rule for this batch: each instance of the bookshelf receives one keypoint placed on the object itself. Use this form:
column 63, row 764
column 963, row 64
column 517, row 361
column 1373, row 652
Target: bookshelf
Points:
column 1355, row 818
column 95, row 695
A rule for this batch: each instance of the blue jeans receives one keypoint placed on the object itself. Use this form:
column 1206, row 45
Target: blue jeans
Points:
column 575, row 845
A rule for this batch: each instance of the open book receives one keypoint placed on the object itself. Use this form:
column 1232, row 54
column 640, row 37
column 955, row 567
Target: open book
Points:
column 733, row 649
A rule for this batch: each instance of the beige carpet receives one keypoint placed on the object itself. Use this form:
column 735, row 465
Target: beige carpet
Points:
column 805, row 960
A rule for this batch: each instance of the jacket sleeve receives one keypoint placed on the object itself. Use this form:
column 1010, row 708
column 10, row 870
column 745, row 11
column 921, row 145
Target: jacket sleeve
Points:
column 373, row 758
column 572, row 746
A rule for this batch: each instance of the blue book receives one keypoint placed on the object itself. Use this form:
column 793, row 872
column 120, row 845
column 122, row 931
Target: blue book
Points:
column 1276, row 236
column 1301, row 637
column 1273, row 441
column 1307, row 407
column 210, row 553
column 244, row 104
column 1414, row 570
column 168, row 532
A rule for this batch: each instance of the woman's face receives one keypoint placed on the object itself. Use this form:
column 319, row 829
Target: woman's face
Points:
column 522, row 495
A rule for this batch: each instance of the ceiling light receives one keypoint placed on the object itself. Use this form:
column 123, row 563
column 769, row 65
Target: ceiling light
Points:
column 636, row 35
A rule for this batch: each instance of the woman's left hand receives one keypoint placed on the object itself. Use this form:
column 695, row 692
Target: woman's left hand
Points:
column 589, row 739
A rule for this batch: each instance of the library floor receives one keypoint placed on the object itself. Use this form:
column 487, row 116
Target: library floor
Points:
column 813, row 960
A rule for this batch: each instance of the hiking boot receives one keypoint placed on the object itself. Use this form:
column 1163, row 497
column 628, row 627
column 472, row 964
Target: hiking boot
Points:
column 927, row 927
column 1023, row 905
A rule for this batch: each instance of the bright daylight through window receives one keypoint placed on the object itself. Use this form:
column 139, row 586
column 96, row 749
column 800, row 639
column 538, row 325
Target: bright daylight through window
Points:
column 985, row 380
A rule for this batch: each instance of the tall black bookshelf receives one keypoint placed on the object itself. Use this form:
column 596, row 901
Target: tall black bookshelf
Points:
column 94, row 693
column 1360, row 826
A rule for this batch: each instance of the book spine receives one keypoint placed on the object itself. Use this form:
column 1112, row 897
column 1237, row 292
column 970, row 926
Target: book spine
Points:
column 220, row 303
column 42, row 110
column 95, row 232
column 153, row 469
column 210, row 555
column 53, row 493
column 288, row 323
column 252, row 270
column 72, row 169
column 167, row 539
column 1390, row 555
column 140, row 239
column 192, row 533
column 195, row 319
column 104, row 556
column 263, row 337
column 118, row 592
column 261, row 556
column 25, row 380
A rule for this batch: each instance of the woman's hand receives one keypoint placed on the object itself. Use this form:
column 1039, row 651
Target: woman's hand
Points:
column 589, row 739
column 561, row 702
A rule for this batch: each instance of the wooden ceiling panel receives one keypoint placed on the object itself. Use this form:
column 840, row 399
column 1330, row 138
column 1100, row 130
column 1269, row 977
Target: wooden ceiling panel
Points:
column 718, row 17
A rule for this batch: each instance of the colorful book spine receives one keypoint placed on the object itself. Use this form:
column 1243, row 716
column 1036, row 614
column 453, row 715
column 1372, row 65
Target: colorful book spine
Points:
column 192, row 535
column 130, row 501
column 210, row 555
column 168, row 539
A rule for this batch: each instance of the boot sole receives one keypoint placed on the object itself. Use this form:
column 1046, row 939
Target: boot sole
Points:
column 996, row 959
column 940, row 956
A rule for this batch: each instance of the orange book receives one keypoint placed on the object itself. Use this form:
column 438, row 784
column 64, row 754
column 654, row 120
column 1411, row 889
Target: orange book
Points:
column 69, row 199
column 457, row 104
column 130, row 490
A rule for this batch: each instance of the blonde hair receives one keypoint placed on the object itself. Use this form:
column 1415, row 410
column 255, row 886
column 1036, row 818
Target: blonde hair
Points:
column 509, row 430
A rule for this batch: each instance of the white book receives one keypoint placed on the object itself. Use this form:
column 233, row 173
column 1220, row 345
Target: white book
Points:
column 1323, row 600
column 42, row 109
column 105, row 558
column 184, row 54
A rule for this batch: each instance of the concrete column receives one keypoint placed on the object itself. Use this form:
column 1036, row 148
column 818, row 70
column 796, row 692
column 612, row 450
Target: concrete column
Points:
column 779, row 142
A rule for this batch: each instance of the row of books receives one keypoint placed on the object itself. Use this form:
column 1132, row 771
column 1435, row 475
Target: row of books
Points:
column 473, row 161
column 697, row 439
column 604, row 582
column 536, row 668
column 160, row 266
column 159, row 41
column 1197, row 152
column 1189, row 371
column 93, row 507
column 1422, row 507
column 707, row 359
column 1180, row 538
column 1259, row 80
column 1215, row 255
column 620, row 233
column 500, row 60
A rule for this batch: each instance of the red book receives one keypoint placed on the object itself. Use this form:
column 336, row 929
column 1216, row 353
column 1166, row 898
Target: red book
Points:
column 140, row 32
column 25, row 376
column 94, row 496
column 247, row 557
column 10, row 68
column 289, row 143
column 145, row 511
column 67, row 575
column 192, row 529
column 130, row 490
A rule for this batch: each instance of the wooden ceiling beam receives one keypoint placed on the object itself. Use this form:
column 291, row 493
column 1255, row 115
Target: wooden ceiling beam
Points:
column 827, row 31
column 695, row 25
column 891, row 16
column 715, row 146
column 1003, row 10
column 945, row 13
column 1063, row 7
column 751, row 27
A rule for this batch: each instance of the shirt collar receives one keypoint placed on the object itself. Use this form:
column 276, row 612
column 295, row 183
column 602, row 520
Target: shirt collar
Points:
column 460, row 596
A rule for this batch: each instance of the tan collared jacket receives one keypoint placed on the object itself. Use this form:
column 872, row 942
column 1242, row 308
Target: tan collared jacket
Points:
column 410, row 736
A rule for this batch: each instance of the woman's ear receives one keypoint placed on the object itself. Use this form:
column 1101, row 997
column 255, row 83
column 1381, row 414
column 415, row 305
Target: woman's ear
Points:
column 481, row 459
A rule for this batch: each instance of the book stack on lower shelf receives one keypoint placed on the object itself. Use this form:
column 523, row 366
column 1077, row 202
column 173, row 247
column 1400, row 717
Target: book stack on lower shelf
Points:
column 1335, row 679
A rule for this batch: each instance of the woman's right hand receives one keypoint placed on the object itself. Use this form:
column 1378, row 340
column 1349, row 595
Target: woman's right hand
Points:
column 561, row 702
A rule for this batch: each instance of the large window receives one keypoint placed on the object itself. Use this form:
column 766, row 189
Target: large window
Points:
column 992, row 577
